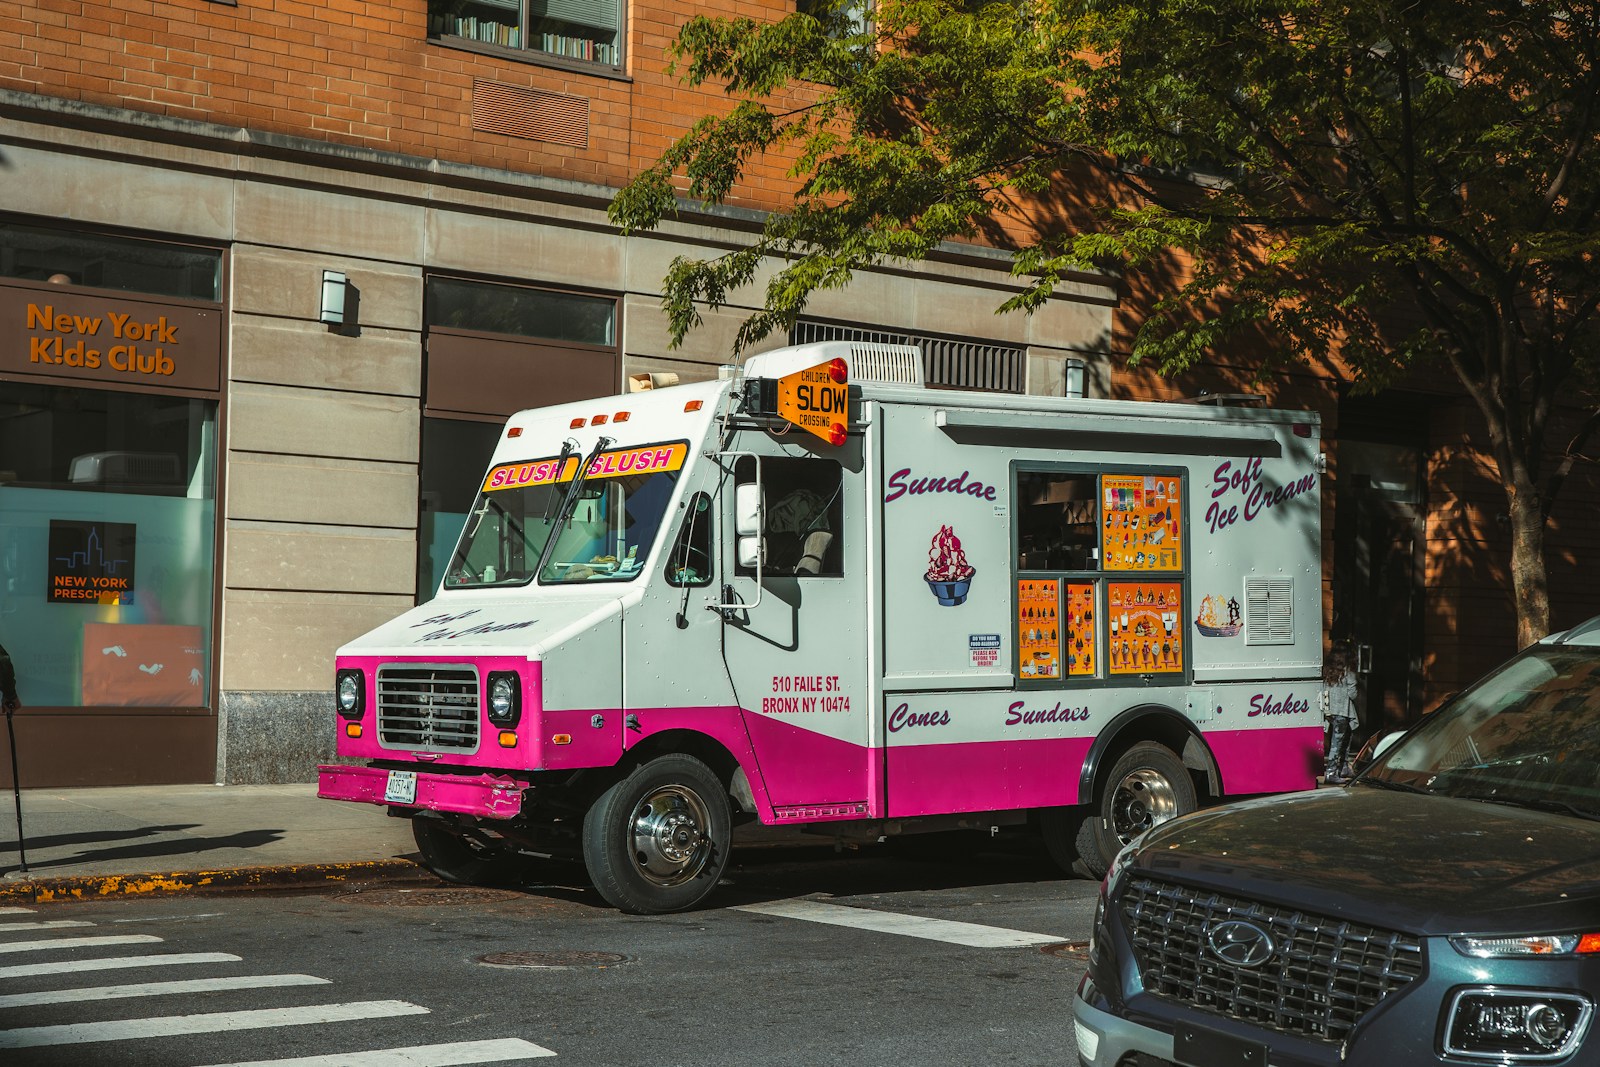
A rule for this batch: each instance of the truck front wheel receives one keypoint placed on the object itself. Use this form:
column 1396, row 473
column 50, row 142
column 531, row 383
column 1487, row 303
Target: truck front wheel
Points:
column 657, row 841
column 1145, row 788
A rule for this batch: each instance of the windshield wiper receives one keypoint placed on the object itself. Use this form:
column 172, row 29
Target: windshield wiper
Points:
column 1561, row 807
column 568, row 447
column 1385, row 783
column 569, row 501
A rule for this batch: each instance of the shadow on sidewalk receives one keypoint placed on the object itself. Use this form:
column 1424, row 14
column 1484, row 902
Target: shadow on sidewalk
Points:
column 89, row 837
column 176, row 846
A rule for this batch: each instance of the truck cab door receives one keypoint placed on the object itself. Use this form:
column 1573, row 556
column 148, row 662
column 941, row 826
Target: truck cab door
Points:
column 796, row 629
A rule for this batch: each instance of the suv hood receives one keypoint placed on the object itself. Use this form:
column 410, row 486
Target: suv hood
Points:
column 488, row 627
column 1424, row 864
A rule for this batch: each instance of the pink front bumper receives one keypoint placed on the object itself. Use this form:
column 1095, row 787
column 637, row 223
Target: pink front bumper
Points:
column 490, row 796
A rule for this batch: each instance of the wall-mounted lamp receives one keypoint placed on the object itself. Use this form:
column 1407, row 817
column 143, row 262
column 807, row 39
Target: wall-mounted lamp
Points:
column 1077, row 378
column 334, row 287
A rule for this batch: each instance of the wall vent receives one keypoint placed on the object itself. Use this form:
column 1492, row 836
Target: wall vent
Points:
column 1269, row 611
column 516, row 111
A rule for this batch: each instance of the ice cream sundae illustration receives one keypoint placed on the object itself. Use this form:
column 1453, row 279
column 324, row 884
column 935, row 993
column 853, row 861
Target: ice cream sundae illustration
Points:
column 1209, row 621
column 949, row 574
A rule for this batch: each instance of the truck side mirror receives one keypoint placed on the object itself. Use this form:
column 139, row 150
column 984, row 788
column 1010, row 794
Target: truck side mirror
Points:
column 750, row 552
column 746, row 515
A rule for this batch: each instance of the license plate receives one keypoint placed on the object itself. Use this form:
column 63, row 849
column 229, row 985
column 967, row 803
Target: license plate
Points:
column 1199, row 1047
column 401, row 788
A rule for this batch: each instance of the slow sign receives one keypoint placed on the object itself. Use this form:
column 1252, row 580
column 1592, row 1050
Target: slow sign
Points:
column 817, row 400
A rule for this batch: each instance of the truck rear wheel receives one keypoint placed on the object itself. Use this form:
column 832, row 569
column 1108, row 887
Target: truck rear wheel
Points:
column 658, row 840
column 457, row 857
column 1146, row 787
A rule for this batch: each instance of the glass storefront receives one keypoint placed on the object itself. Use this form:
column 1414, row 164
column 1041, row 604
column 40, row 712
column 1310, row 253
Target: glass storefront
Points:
column 107, row 554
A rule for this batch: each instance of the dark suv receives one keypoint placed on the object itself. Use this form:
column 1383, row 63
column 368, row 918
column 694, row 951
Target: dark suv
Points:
column 1443, row 908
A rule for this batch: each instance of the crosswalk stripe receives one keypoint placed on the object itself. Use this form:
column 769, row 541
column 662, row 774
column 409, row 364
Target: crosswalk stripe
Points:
column 971, row 935
column 79, row 942
column 16, row 911
column 208, row 1023
column 456, row 1052
column 157, row 989
column 116, row 963
column 56, row 924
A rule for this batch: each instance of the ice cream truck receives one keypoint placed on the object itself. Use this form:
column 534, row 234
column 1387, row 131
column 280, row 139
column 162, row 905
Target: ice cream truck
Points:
column 818, row 593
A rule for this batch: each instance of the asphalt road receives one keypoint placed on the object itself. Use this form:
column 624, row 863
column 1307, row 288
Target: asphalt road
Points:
column 804, row 957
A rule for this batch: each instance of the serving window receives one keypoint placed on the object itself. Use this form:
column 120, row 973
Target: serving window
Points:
column 1090, row 545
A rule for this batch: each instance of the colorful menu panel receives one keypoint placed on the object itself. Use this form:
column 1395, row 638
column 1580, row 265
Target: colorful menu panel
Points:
column 1080, row 630
column 1143, row 629
column 1038, row 627
column 1141, row 522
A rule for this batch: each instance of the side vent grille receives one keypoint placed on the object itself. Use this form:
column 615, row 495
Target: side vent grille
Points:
column 1269, row 611
column 559, row 118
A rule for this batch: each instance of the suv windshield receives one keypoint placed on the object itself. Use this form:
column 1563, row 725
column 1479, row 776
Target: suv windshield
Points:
column 603, row 532
column 1527, row 735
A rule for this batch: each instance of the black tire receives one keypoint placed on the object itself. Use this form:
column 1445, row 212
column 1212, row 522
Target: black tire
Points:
column 658, row 840
column 457, row 858
column 1146, row 787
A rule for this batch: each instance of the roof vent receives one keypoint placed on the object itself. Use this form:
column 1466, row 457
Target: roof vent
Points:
column 887, row 364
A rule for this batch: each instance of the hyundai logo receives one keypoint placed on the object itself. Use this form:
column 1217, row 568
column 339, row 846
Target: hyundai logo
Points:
column 1240, row 943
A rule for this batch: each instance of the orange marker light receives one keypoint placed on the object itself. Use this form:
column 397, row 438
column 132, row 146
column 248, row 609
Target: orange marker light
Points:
column 508, row 739
column 352, row 729
column 561, row 739
column 621, row 416
column 1589, row 943
column 598, row 420
column 693, row 405
column 515, row 431
column 839, row 371
column 836, row 434
column 577, row 424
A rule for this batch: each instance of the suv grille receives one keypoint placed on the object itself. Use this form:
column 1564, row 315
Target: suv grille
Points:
column 1322, row 976
column 421, row 706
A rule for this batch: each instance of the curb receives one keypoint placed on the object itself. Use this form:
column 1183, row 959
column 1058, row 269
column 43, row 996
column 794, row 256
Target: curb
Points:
column 288, row 877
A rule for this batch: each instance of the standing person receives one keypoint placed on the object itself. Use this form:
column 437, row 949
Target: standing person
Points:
column 10, row 702
column 1339, row 709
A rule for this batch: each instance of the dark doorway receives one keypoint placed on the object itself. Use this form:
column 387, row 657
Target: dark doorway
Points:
column 1380, row 551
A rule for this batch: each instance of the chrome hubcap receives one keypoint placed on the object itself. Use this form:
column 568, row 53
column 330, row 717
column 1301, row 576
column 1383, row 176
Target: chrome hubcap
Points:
column 670, row 845
column 1142, row 799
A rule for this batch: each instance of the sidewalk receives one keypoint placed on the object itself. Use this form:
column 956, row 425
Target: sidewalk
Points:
column 84, row 843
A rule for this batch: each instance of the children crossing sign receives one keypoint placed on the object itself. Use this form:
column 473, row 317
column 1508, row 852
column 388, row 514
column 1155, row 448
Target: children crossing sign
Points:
column 817, row 400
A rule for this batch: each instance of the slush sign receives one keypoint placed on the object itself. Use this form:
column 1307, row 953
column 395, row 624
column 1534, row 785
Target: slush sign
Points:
column 91, row 562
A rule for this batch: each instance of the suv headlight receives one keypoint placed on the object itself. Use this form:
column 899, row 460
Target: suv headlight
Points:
column 505, row 698
column 1516, row 1025
column 349, row 693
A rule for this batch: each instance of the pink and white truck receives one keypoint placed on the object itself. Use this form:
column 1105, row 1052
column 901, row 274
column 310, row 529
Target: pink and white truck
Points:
column 817, row 593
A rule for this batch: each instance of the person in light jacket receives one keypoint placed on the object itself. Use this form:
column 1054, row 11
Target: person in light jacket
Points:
column 1339, row 709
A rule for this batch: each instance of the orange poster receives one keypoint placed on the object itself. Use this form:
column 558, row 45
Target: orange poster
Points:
column 132, row 665
column 1143, row 626
column 1142, row 522
column 1080, row 630
column 1039, row 627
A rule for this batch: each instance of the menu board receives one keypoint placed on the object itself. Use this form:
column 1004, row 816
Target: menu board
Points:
column 1142, row 522
column 1080, row 630
column 1143, row 629
column 1038, row 627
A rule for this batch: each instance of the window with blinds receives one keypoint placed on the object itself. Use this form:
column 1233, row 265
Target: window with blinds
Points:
column 582, row 31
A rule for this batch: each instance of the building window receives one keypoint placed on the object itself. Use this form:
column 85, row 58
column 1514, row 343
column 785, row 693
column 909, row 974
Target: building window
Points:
column 107, row 555
column 583, row 31
column 66, row 257
column 949, row 363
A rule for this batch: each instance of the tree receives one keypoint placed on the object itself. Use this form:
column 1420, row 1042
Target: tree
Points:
column 1397, row 185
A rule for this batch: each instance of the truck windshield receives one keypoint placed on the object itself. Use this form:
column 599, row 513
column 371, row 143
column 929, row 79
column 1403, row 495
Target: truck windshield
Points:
column 605, row 533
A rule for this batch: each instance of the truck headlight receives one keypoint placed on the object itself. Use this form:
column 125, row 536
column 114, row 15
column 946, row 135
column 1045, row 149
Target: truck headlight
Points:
column 1516, row 1025
column 349, row 689
column 505, row 698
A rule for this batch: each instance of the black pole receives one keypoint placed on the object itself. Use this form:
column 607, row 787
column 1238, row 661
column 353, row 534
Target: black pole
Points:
column 16, row 789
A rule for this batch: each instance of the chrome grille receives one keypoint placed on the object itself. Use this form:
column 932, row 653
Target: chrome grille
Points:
column 1323, row 975
column 427, row 706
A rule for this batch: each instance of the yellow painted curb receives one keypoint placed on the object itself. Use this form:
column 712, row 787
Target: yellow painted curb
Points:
column 297, row 876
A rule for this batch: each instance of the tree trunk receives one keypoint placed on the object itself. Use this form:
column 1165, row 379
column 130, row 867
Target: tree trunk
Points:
column 1530, row 587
